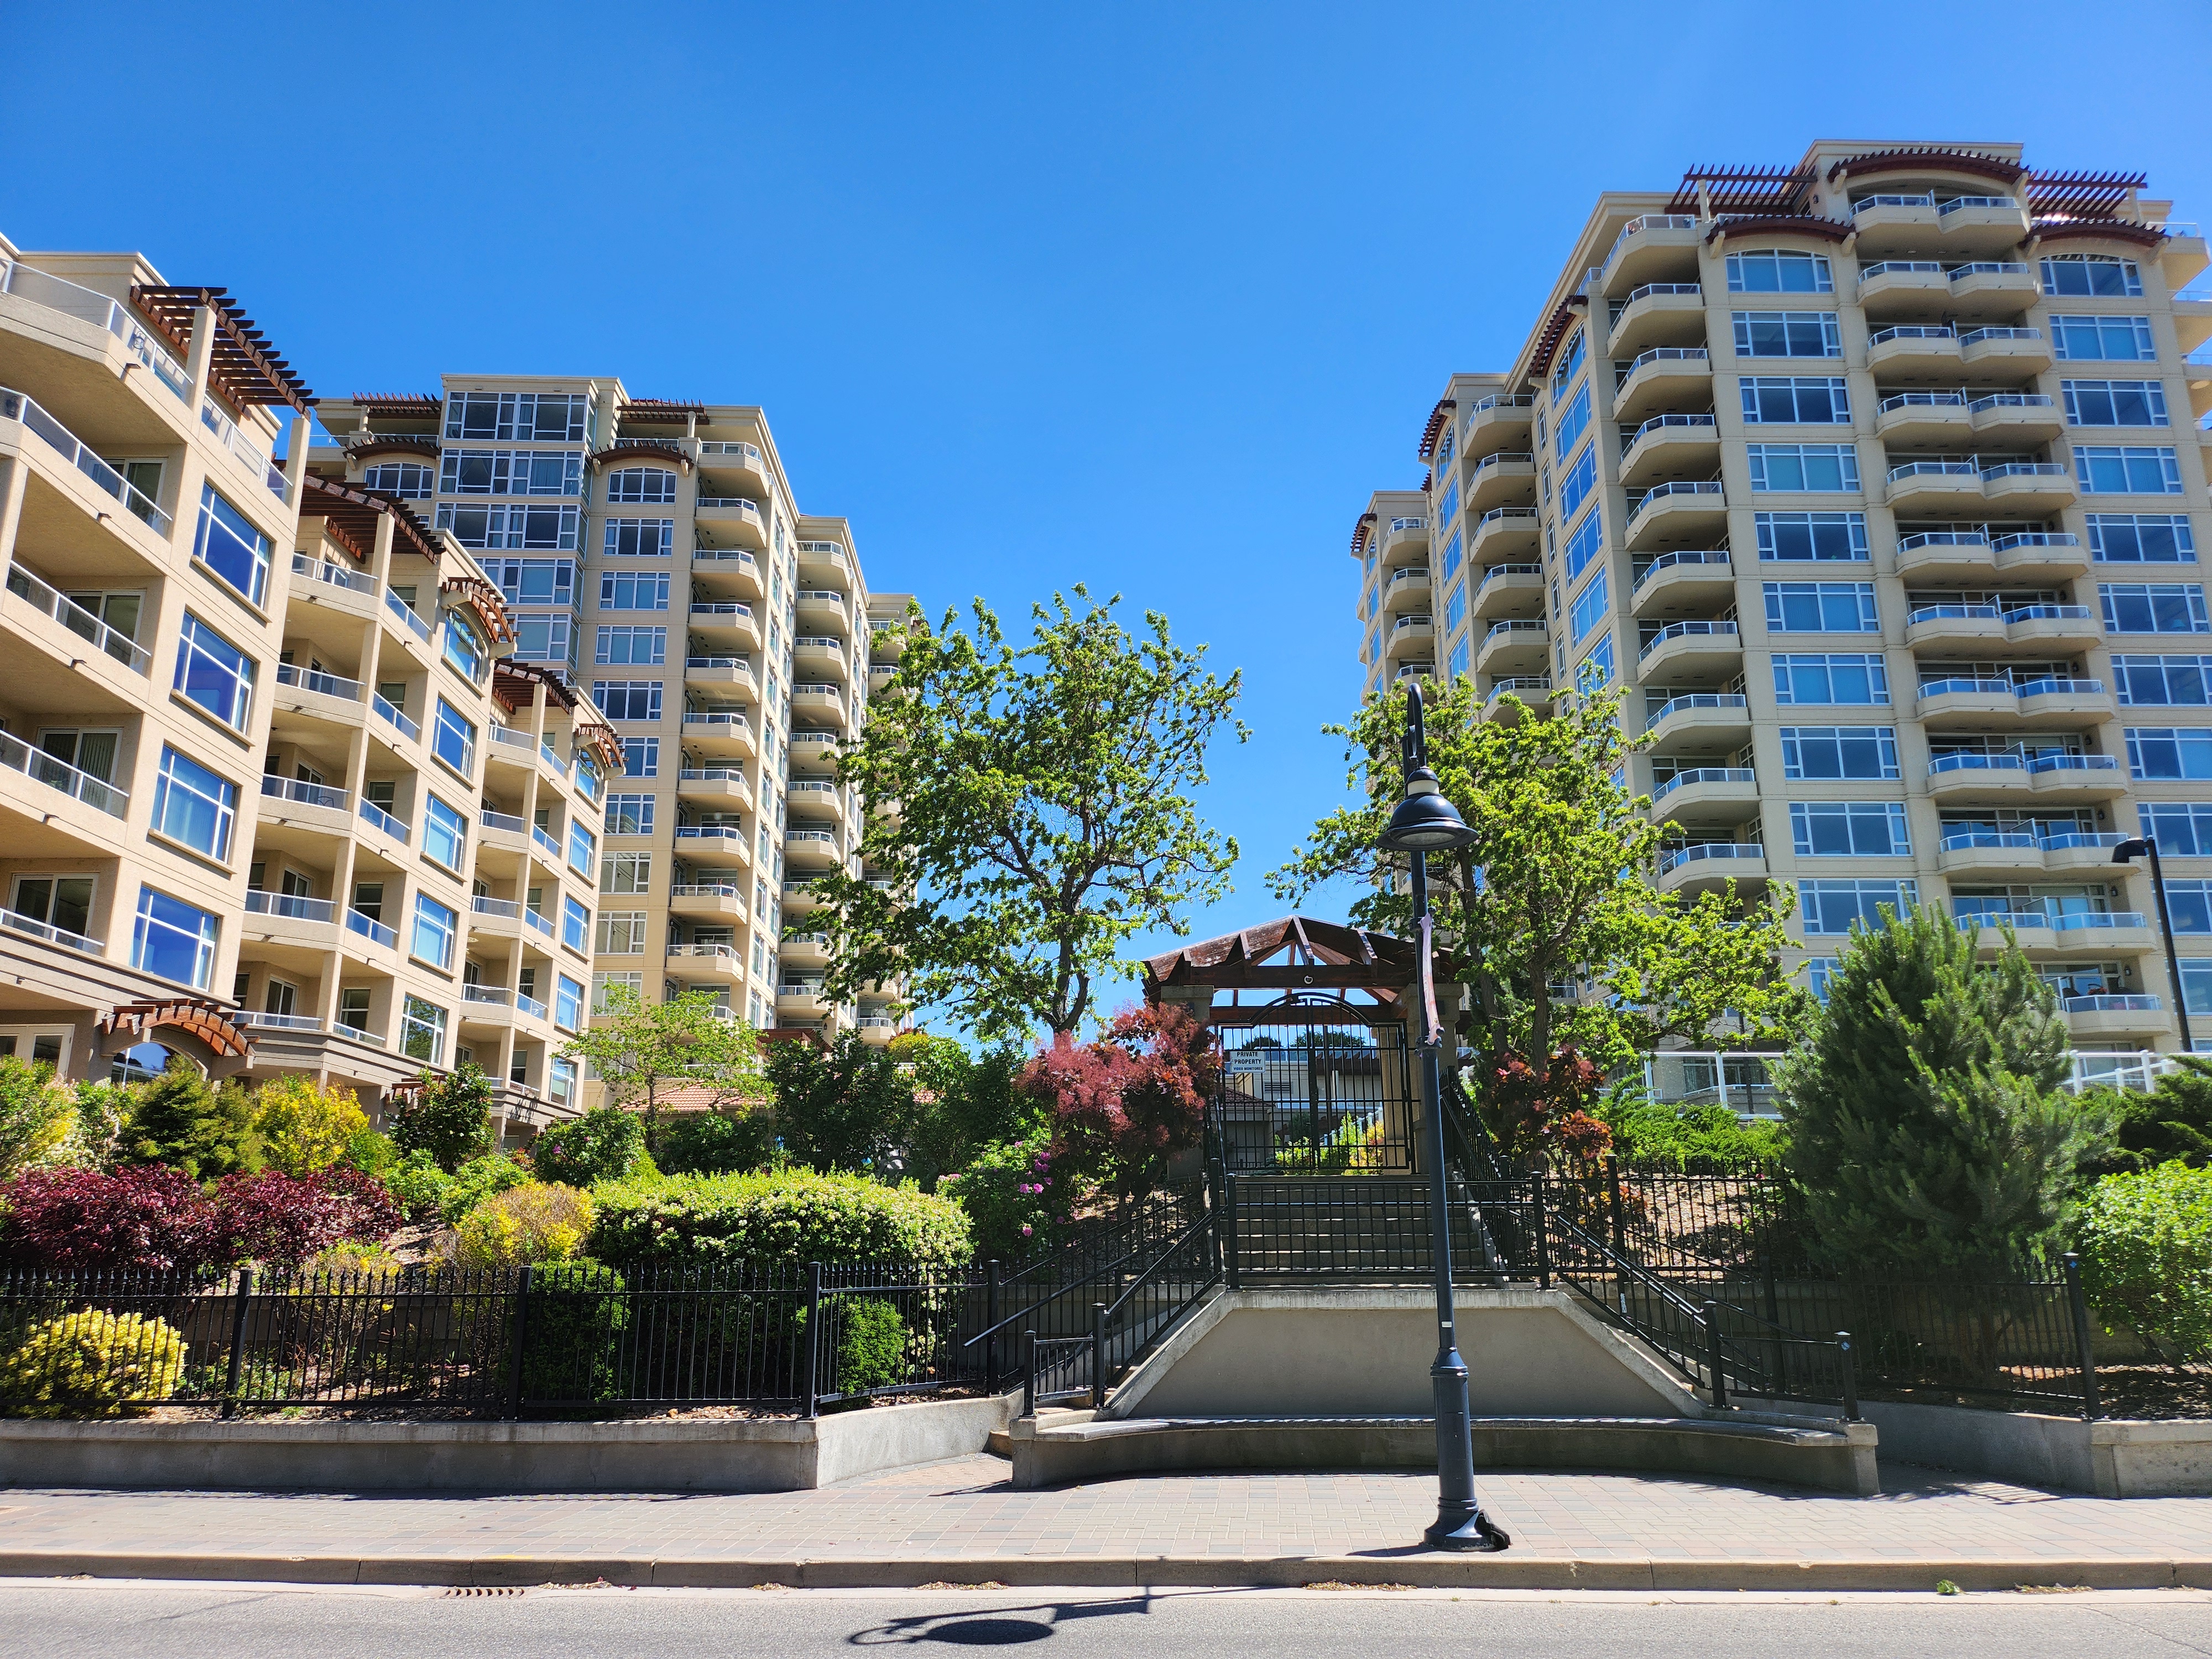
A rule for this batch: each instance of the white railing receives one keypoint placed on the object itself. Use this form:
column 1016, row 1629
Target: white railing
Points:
column 1683, row 630
column 55, row 773
column 816, row 689
column 819, row 596
column 722, row 555
column 72, row 300
column 307, row 794
column 1702, row 775
column 1957, row 202
column 279, row 1022
column 734, row 611
column 722, row 446
column 227, row 433
column 314, row 679
column 333, row 575
column 1911, row 332
column 1667, row 423
column 1663, row 492
column 1647, row 221
column 1695, row 699
column 1744, row 1081
column 1700, row 852
column 738, row 504
column 1503, row 458
column 1867, row 202
column 15, row 922
column 261, row 902
column 727, row 890
column 733, row 723
column 1665, row 355
column 42, row 595
column 1669, row 561
column 17, row 406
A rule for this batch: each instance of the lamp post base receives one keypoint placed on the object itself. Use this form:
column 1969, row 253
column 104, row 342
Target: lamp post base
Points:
column 1474, row 1532
column 1460, row 1523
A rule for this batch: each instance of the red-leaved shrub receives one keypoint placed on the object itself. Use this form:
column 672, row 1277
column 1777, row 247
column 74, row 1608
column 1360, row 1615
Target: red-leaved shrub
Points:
column 1547, row 1114
column 148, row 1219
column 281, row 1220
column 1123, row 1104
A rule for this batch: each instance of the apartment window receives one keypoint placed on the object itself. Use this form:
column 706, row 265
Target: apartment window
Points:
column 575, row 924
column 509, row 472
column 454, row 740
column 193, row 805
column 633, row 981
column 529, row 417
column 621, row 933
column 2183, row 829
column 640, row 539
column 423, row 1031
column 1787, row 334
column 1779, row 271
column 464, row 648
column 1570, row 364
column 353, row 1007
column 1450, row 561
column 435, row 927
column 1582, row 545
column 2106, row 339
column 62, row 901
column 645, row 590
column 1771, row 400
column 627, row 700
column 1575, row 483
column 1456, row 605
column 561, row 1079
column 444, row 835
column 1822, row 608
column 408, row 480
column 1596, row 672
column 545, row 529
column 231, row 547
column 2154, row 608
column 2114, row 403
column 583, row 850
column 1448, row 504
column 1840, row 678
column 626, row 872
column 1837, row 829
column 534, row 582
column 629, row 815
column 214, row 673
column 2169, row 754
column 641, row 756
column 626, row 647
column 1795, row 468
column 1808, row 536
column 1835, row 907
column 2091, row 275
column 1590, row 607
column 640, row 484
column 1574, row 421
column 544, row 637
column 173, row 940
column 2142, row 538
column 1838, row 751
column 2160, row 682
column 1457, row 666
column 568, row 1002
column 2127, row 469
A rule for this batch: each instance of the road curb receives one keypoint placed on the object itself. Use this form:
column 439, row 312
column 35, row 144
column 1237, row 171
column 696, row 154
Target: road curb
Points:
column 1509, row 1570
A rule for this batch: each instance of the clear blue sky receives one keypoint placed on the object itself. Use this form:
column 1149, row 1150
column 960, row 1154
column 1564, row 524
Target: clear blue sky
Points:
column 1144, row 295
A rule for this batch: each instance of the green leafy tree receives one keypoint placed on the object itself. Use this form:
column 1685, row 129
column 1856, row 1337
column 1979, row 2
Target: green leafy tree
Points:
column 850, row 1109
column 2146, row 1239
column 1927, row 1127
column 305, row 1126
column 1043, row 814
column 448, row 1119
column 716, row 1143
column 605, row 1144
column 37, row 1117
column 183, row 1121
column 962, row 1103
column 1557, row 885
column 686, row 1049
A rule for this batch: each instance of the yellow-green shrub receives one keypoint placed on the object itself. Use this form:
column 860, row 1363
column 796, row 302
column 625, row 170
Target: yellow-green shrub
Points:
column 92, row 1364
column 539, row 1221
column 304, row 1126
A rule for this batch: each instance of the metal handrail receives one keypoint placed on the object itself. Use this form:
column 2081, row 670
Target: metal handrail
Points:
column 308, row 794
column 21, row 407
column 57, row 773
column 43, row 596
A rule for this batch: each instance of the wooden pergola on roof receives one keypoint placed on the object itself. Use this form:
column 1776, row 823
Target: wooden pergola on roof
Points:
column 1283, row 962
column 350, row 512
column 243, row 369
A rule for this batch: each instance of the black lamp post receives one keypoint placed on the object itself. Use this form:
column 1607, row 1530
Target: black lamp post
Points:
column 1424, row 823
column 2126, row 853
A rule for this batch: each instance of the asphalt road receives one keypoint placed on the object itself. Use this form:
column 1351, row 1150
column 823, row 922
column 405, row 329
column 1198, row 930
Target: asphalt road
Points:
column 39, row 1619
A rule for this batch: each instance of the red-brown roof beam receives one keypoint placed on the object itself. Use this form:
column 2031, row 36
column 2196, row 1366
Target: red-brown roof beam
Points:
column 242, row 369
column 1435, row 429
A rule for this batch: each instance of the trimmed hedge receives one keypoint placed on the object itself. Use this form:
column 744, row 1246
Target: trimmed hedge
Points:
column 782, row 1219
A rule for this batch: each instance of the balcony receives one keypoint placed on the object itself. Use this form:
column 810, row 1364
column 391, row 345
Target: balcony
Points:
column 720, row 963
column 395, row 717
column 1510, row 647
column 726, row 623
column 1978, row 776
column 1664, row 376
column 820, row 653
column 319, row 695
column 1669, row 447
column 720, row 734
column 735, row 517
column 813, row 796
column 733, row 461
column 96, row 797
column 291, row 802
column 508, row 747
column 2039, row 556
column 812, row 849
column 1505, row 479
column 728, row 840
column 876, row 1030
column 1982, row 225
column 2136, row 1015
column 819, row 698
column 1707, row 794
column 2005, row 354
column 1407, row 588
column 1938, row 489
column 804, row 949
column 42, row 597
column 1494, row 424
column 288, row 918
column 1915, row 349
column 1531, row 691
column 492, row 918
column 720, row 673
column 412, row 633
column 2066, row 854
column 1903, row 288
column 1416, row 633
column 2021, row 418
column 2052, row 627
column 502, row 832
column 1404, row 538
column 1508, row 590
column 1684, row 513
column 2027, row 486
column 1504, row 534
column 1695, row 580
column 2000, row 629
column 2077, row 781
column 15, row 921
column 2102, row 931
column 1690, row 650
column 717, row 900
column 1656, row 314
column 819, row 607
column 318, row 582
column 1700, row 722
column 713, row 784
column 1993, row 288
column 1952, row 555
column 36, row 287
column 1656, row 246
column 812, row 744
column 1967, row 698
column 1990, row 853
column 728, row 569
column 1924, row 420
column 803, row 997
column 1703, row 867
column 77, row 458
column 799, row 897
column 543, row 840
column 2044, row 701
column 824, row 561
column 2063, row 702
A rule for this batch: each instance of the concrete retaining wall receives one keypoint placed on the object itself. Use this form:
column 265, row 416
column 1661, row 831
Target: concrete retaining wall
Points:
column 714, row 1455
column 2112, row 1459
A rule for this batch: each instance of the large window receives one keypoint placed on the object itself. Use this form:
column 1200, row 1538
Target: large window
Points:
column 641, row 756
column 583, row 850
column 2162, row 682
column 1590, row 607
column 621, row 933
column 623, row 646
column 2154, row 608
column 1574, row 421
column 1822, row 608
column 2127, row 469
column 1773, row 400
column 543, row 529
column 629, row 815
column 1451, row 560
column 640, row 539
column 1836, row 829
column 2106, row 339
column 568, row 1002
column 1596, row 670
column 214, row 673
column 2183, row 829
column 1838, row 751
column 2170, row 754
column 1448, row 503
column 510, row 472
column 2114, row 403
column 172, row 940
column 1809, row 536
column 1582, row 545
column 454, row 740
column 464, row 647
column 640, row 484
column 1570, row 364
column 626, row 872
column 575, row 924
column 627, row 700
column 423, row 1031
column 231, row 547
column 1835, row 906
column 2190, row 905
column 436, row 925
column 2091, row 275
column 1575, row 485
column 2142, row 538
column 1787, row 334
column 444, row 835
column 643, row 590
column 534, row 582
column 193, row 805
column 528, row 416
column 1457, row 664
column 544, row 637
column 1456, row 605
column 632, row 982
column 1842, row 679
column 408, row 480
column 1795, row 468
column 1779, row 271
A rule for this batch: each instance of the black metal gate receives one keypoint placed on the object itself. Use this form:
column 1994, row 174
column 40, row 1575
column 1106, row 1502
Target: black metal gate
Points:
column 1315, row 1092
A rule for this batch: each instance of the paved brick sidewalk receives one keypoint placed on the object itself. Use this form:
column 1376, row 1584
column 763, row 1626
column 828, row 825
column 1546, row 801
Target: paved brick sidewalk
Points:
column 960, row 1519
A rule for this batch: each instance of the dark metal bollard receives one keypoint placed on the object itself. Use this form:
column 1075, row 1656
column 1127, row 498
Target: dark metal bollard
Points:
column 813, row 1339
column 1713, row 1318
column 521, row 1341
column 991, row 1325
column 1849, row 1364
column 1028, row 1373
column 1098, row 1355
column 2092, row 1408
column 238, row 1318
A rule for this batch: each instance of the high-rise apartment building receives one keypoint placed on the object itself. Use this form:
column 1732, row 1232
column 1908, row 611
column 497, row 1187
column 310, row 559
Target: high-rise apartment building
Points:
column 270, row 800
column 652, row 551
column 1877, row 484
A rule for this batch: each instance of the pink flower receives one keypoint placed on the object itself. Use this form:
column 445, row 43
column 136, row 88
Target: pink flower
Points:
column 1025, row 1230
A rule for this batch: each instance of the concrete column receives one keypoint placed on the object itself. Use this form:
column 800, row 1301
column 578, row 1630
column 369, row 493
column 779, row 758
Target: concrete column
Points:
column 296, row 461
column 13, row 482
column 199, row 355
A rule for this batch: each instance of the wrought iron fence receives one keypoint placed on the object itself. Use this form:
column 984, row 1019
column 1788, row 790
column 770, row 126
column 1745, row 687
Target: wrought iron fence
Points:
column 1318, row 1095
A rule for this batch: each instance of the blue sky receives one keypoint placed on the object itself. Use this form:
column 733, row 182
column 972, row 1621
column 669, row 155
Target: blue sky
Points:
column 1146, row 296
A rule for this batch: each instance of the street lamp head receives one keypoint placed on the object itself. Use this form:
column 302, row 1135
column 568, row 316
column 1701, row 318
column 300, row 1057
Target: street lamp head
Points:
column 2127, row 851
column 1424, row 822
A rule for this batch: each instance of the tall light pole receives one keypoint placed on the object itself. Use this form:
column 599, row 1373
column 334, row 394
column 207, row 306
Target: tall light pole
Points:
column 1424, row 823
column 2126, row 853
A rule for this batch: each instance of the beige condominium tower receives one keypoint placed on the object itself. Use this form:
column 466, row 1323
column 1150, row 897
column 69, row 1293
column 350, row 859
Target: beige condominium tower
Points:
column 1876, row 484
column 651, row 553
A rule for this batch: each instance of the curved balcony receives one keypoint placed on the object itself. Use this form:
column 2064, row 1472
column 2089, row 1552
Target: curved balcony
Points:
column 1999, row 630
column 1504, row 535
column 728, row 624
column 1903, row 288
column 1895, row 224
column 1704, row 866
column 1702, row 722
column 2064, row 855
column 1929, row 419
column 1965, row 698
column 1956, row 626
column 1656, row 314
column 1954, row 555
column 1692, row 580
column 1530, row 692
column 2040, row 555
column 2069, row 703
column 1726, row 795
column 1662, row 378
column 715, row 785
column 1990, row 853
column 1690, row 650
column 821, row 654
column 824, row 608
column 1938, row 489
column 1684, row 513
column 2132, row 1015
column 1915, row 349
column 2052, row 627
column 715, row 673
column 1405, row 588
column 2078, row 781
column 813, row 744
column 1651, row 247
column 1977, row 777
column 1982, row 225
column 720, row 734
column 732, row 467
column 1414, row 635
column 708, row 901
column 1505, row 479
column 720, row 963
column 1494, row 423
column 2022, row 417
column 802, row 998
column 811, row 849
column 1993, row 288
column 2027, row 486
column 1670, row 447
column 1508, row 590
column 2102, row 931
column 803, row 951
column 2004, row 354
column 817, row 799
column 731, row 571
column 1511, row 647
column 1404, row 539
column 827, row 562
column 733, row 519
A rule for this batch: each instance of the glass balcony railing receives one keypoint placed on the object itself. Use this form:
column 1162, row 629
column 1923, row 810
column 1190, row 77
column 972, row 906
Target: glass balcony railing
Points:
column 1702, row 852
column 1672, row 561
column 260, row 902
column 506, row 908
column 370, row 928
column 57, row 773
column 394, row 716
column 331, row 576
column 538, row 920
column 395, row 827
column 313, row 679
column 545, row 842
column 1725, row 631
column 42, row 596
column 1695, row 774
column 405, row 612
column 16, row 922
column 71, row 301
column 17, row 406
column 1696, row 700
column 507, row 820
column 2133, row 1002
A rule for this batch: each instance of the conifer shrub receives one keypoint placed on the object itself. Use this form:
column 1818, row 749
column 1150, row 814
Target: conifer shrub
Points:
column 184, row 1121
